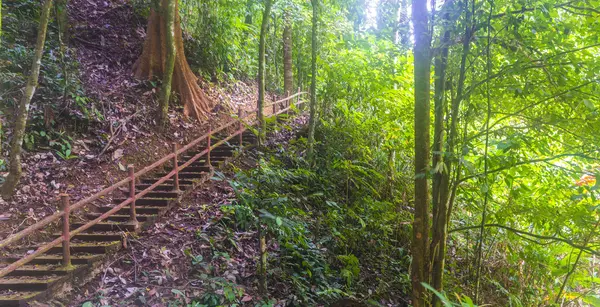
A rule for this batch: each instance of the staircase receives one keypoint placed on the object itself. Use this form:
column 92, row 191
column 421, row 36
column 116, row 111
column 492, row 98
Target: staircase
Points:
column 46, row 276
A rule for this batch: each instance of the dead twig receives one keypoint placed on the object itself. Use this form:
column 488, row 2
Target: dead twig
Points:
column 116, row 132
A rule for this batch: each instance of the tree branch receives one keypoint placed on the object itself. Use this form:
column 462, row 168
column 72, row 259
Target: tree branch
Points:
column 499, row 169
column 541, row 237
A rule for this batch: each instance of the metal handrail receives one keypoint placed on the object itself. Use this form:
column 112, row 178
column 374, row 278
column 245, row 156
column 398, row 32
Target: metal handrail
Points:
column 67, row 235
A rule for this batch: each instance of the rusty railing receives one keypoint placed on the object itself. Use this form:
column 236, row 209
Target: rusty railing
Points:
column 66, row 208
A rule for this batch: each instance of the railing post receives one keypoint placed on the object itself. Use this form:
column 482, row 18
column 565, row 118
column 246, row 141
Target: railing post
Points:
column 240, row 125
column 132, row 215
column 274, row 109
column 208, row 145
column 175, row 168
column 66, row 208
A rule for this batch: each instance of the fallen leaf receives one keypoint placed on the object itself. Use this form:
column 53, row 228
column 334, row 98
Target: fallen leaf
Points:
column 117, row 154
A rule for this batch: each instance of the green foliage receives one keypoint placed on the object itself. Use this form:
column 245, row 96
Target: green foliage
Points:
column 60, row 106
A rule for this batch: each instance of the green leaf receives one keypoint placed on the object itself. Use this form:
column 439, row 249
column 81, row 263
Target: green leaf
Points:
column 442, row 297
column 589, row 104
column 87, row 304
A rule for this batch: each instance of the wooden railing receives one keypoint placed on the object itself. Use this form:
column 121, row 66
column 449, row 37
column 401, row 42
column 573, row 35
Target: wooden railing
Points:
column 66, row 208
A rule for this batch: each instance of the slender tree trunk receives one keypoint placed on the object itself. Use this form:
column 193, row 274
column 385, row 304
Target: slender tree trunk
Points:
column 288, row 76
column 60, row 10
column 313, row 84
column 404, row 24
column 440, row 196
column 62, row 19
column 8, row 188
column 486, row 158
column 420, row 244
column 262, row 247
column 0, row 21
column 261, row 71
column 168, row 12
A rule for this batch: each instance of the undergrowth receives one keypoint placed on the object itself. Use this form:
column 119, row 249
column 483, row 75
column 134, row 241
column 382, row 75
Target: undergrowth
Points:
column 334, row 230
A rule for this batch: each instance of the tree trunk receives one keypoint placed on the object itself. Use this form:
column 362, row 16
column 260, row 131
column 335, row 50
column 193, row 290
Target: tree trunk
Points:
column 262, row 247
column 165, row 91
column 313, row 83
column 420, row 246
column 8, row 188
column 152, row 63
column 62, row 19
column 261, row 71
column 0, row 21
column 288, row 76
column 440, row 191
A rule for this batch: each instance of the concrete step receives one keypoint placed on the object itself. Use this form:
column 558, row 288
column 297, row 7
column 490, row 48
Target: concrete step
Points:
column 189, row 175
column 106, row 236
column 107, row 226
column 154, row 202
column 76, row 258
column 168, row 181
column 18, row 298
column 138, row 210
column 158, row 194
column 38, row 283
column 46, row 269
column 125, row 217
column 162, row 187
column 87, row 247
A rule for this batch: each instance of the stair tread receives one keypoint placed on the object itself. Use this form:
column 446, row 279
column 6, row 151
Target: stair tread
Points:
column 85, row 257
column 43, row 267
column 11, row 295
column 124, row 215
column 78, row 244
column 7, row 280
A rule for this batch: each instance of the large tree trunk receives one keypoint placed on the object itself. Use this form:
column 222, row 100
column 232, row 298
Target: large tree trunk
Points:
column 288, row 76
column 165, row 91
column 15, row 170
column 312, row 121
column 420, row 238
column 261, row 71
column 152, row 63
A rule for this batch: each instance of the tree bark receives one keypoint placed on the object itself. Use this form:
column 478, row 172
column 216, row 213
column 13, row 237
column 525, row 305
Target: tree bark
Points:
column 313, row 83
column 165, row 91
column 0, row 21
column 422, row 72
column 15, row 171
column 261, row 71
column 288, row 76
column 439, row 191
column 152, row 63
column 62, row 20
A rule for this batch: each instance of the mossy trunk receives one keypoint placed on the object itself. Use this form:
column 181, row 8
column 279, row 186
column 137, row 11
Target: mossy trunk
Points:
column 168, row 11
column 8, row 188
column 261, row 72
column 313, row 83
column 422, row 73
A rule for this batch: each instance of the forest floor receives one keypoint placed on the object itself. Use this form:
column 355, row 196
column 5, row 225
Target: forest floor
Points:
column 189, row 253
column 107, row 37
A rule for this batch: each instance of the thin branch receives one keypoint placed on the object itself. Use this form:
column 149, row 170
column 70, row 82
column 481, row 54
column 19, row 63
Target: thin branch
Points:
column 541, row 237
column 503, row 168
